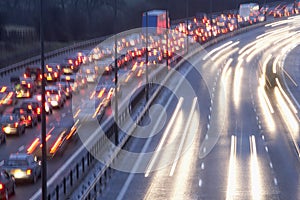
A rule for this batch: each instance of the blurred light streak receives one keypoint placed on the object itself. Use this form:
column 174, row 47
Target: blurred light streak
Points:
column 288, row 117
column 256, row 181
column 232, row 170
column 216, row 49
column 238, row 74
column 218, row 54
column 266, row 112
column 286, row 97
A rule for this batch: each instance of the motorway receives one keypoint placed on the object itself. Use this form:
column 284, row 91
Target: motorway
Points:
column 221, row 141
column 250, row 154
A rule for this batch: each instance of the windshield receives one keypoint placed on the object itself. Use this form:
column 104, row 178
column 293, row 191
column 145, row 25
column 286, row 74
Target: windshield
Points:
column 48, row 92
column 17, row 163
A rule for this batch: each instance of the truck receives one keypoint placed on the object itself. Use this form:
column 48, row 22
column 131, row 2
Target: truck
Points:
column 248, row 13
column 157, row 19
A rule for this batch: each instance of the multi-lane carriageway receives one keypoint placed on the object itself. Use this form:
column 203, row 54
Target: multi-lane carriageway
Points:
column 239, row 142
column 249, row 148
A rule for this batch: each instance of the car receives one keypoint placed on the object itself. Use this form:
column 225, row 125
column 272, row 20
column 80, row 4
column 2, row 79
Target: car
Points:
column 82, row 80
column 21, row 88
column 12, row 124
column 90, row 74
column 74, row 82
column 28, row 83
column 55, row 97
column 7, row 96
column 23, row 166
column 35, row 73
column 66, row 88
column 7, row 184
column 33, row 105
column 29, row 117
column 67, row 68
column 52, row 73
column 48, row 107
column 57, row 138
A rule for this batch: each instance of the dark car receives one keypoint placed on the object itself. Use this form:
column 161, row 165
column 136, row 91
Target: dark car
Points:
column 35, row 73
column 7, row 185
column 67, row 68
column 33, row 105
column 12, row 124
column 23, row 167
column 29, row 117
column 66, row 88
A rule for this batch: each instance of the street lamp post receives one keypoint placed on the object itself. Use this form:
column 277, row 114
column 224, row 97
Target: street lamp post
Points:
column 43, row 132
column 187, row 24
column 147, row 78
column 116, row 77
column 167, row 37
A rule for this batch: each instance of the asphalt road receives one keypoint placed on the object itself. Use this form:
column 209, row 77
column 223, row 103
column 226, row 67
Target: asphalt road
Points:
column 247, row 152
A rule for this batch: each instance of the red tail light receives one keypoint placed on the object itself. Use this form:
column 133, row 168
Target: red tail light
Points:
column 55, row 75
column 1, row 186
column 28, row 85
column 41, row 76
column 25, row 76
column 29, row 118
column 38, row 110
column 16, row 124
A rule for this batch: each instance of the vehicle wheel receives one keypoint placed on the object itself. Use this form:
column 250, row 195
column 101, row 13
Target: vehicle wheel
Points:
column 34, row 179
column 14, row 189
column 6, row 194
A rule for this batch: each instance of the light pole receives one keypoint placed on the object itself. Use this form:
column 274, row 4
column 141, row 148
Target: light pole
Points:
column 167, row 37
column 187, row 24
column 147, row 78
column 116, row 77
column 43, row 132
